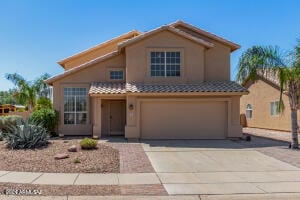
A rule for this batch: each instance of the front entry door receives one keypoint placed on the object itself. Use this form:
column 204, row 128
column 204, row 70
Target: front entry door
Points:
column 117, row 117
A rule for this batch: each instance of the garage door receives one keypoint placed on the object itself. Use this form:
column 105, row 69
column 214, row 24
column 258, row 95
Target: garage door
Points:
column 183, row 120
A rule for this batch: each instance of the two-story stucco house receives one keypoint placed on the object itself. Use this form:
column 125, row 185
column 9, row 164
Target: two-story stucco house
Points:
column 172, row 82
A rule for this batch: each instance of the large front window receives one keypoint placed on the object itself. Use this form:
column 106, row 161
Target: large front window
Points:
column 75, row 105
column 165, row 63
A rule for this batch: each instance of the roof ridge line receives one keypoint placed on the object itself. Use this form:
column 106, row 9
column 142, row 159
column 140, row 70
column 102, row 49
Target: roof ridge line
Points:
column 98, row 45
column 161, row 28
column 82, row 66
column 207, row 33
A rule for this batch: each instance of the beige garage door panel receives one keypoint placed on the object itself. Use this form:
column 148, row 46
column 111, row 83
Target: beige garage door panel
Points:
column 183, row 120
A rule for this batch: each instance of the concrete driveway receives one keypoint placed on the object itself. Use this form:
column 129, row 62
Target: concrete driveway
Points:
column 219, row 167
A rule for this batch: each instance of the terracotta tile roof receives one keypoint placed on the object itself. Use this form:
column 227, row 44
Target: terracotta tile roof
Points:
column 107, row 88
column 269, row 75
column 121, row 88
column 219, row 86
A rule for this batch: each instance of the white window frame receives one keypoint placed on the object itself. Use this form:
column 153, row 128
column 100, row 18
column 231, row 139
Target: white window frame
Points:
column 249, row 109
column 165, row 62
column 273, row 112
column 75, row 112
column 116, row 70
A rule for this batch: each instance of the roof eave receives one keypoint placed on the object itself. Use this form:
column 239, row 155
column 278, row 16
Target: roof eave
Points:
column 51, row 80
column 108, row 95
column 162, row 28
column 81, row 53
column 188, row 93
column 233, row 46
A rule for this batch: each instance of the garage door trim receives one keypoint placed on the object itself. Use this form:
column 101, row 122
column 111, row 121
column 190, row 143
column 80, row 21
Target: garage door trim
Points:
column 140, row 100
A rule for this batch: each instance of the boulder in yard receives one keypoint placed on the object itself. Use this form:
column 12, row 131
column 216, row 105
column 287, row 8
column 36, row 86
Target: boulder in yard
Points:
column 61, row 156
column 72, row 148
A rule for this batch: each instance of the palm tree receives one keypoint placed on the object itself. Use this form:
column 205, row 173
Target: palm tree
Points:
column 266, row 60
column 29, row 91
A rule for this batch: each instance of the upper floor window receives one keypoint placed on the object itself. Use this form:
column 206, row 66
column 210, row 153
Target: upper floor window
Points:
column 165, row 63
column 274, row 108
column 249, row 111
column 75, row 105
column 116, row 75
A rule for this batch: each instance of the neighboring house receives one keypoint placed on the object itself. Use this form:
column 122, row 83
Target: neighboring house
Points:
column 172, row 82
column 6, row 108
column 259, row 108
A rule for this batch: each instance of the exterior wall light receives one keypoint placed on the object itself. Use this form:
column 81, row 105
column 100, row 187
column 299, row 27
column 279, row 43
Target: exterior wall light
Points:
column 130, row 107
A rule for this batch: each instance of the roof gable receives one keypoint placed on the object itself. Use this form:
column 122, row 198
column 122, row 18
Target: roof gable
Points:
column 80, row 67
column 268, row 76
column 133, row 37
column 270, row 81
column 165, row 28
column 115, row 40
column 233, row 46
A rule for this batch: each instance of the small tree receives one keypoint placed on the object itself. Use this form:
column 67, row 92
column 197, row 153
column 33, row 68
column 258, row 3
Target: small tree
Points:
column 266, row 60
column 29, row 91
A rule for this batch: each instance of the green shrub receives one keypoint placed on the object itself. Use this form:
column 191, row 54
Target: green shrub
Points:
column 43, row 103
column 47, row 117
column 76, row 161
column 10, row 120
column 21, row 110
column 2, row 123
column 88, row 143
column 26, row 135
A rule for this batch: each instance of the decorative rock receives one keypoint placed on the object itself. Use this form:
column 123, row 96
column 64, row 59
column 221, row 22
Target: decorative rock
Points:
column 61, row 156
column 72, row 148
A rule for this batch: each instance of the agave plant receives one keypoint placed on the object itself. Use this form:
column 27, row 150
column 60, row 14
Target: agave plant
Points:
column 26, row 135
column 1, row 135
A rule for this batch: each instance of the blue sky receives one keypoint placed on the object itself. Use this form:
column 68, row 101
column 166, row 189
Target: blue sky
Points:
column 34, row 34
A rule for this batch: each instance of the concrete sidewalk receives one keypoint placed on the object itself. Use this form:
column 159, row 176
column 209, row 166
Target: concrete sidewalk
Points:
column 284, row 136
column 78, row 179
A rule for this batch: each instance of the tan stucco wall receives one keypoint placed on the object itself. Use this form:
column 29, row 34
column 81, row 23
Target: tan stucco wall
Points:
column 217, row 59
column 217, row 63
column 138, row 61
column 83, row 78
column 97, row 72
column 260, row 96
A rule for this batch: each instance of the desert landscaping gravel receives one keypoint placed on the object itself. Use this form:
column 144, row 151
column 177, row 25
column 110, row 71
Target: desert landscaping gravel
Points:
column 104, row 159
